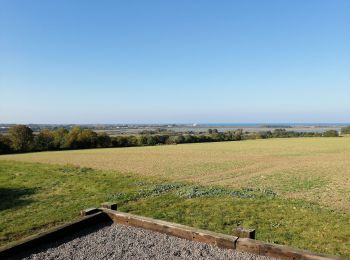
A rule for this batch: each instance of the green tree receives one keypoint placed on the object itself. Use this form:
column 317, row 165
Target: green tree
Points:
column 216, row 136
column 180, row 139
column 188, row 138
column 238, row 135
column 162, row 139
column 132, row 140
column 331, row 133
column 21, row 137
column 280, row 133
column 44, row 140
column 345, row 130
column 79, row 138
column 125, row 141
column 151, row 140
column 103, row 140
column 5, row 144
column 142, row 140
column 172, row 139
column 87, row 139
column 60, row 136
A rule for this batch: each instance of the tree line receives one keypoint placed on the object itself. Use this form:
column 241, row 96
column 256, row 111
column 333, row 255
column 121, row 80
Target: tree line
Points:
column 21, row 138
column 345, row 130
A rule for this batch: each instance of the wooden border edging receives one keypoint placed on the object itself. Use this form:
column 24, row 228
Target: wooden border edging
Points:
column 173, row 229
column 181, row 231
column 280, row 251
column 221, row 240
column 51, row 235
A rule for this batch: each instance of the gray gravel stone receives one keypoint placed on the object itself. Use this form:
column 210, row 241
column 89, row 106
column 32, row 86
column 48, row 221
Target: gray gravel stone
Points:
column 124, row 242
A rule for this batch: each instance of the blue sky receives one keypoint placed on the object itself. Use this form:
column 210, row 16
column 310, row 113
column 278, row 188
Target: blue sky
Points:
column 174, row 61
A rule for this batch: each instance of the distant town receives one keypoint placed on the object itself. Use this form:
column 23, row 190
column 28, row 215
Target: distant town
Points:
column 116, row 129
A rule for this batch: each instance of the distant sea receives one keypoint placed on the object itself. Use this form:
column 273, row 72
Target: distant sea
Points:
column 273, row 124
column 256, row 127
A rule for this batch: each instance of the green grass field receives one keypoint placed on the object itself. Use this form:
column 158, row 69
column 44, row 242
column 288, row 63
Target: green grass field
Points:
column 293, row 191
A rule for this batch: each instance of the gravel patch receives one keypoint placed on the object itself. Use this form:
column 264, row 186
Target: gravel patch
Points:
column 125, row 242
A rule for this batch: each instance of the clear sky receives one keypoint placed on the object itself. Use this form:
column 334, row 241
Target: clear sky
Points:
column 174, row 61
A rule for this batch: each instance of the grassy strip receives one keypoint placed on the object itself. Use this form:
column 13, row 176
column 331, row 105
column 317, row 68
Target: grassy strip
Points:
column 36, row 196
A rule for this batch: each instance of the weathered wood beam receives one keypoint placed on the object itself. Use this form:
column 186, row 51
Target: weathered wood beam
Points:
column 181, row 231
column 217, row 239
column 189, row 233
column 279, row 251
column 244, row 232
column 52, row 234
column 89, row 211
column 109, row 205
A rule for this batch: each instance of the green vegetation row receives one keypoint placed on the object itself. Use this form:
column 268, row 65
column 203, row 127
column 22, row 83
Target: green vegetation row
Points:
column 36, row 196
column 22, row 139
column 345, row 130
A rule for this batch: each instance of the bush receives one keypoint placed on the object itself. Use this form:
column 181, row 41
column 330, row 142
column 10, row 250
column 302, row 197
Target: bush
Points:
column 331, row 133
column 345, row 130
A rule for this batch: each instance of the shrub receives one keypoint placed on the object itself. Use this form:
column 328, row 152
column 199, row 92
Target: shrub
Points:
column 331, row 133
column 345, row 130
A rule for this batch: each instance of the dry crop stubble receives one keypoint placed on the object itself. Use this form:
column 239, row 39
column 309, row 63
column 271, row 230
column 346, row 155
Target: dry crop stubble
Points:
column 313, row 169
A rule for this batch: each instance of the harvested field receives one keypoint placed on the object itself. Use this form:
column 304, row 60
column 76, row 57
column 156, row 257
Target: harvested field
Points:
column 294, row 191
column 312, row 169
column 125, row 242
column 39, row 196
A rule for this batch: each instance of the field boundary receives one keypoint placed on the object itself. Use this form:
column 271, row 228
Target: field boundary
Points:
column 193, row 234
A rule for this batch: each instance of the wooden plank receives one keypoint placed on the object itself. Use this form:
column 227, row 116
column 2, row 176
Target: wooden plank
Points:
column 217, row 239
column 244, row 232
column 181, row 231
column 89, row 211
column 189, row 233
column 52, row 234
column 109, row 205
column 279, row 251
